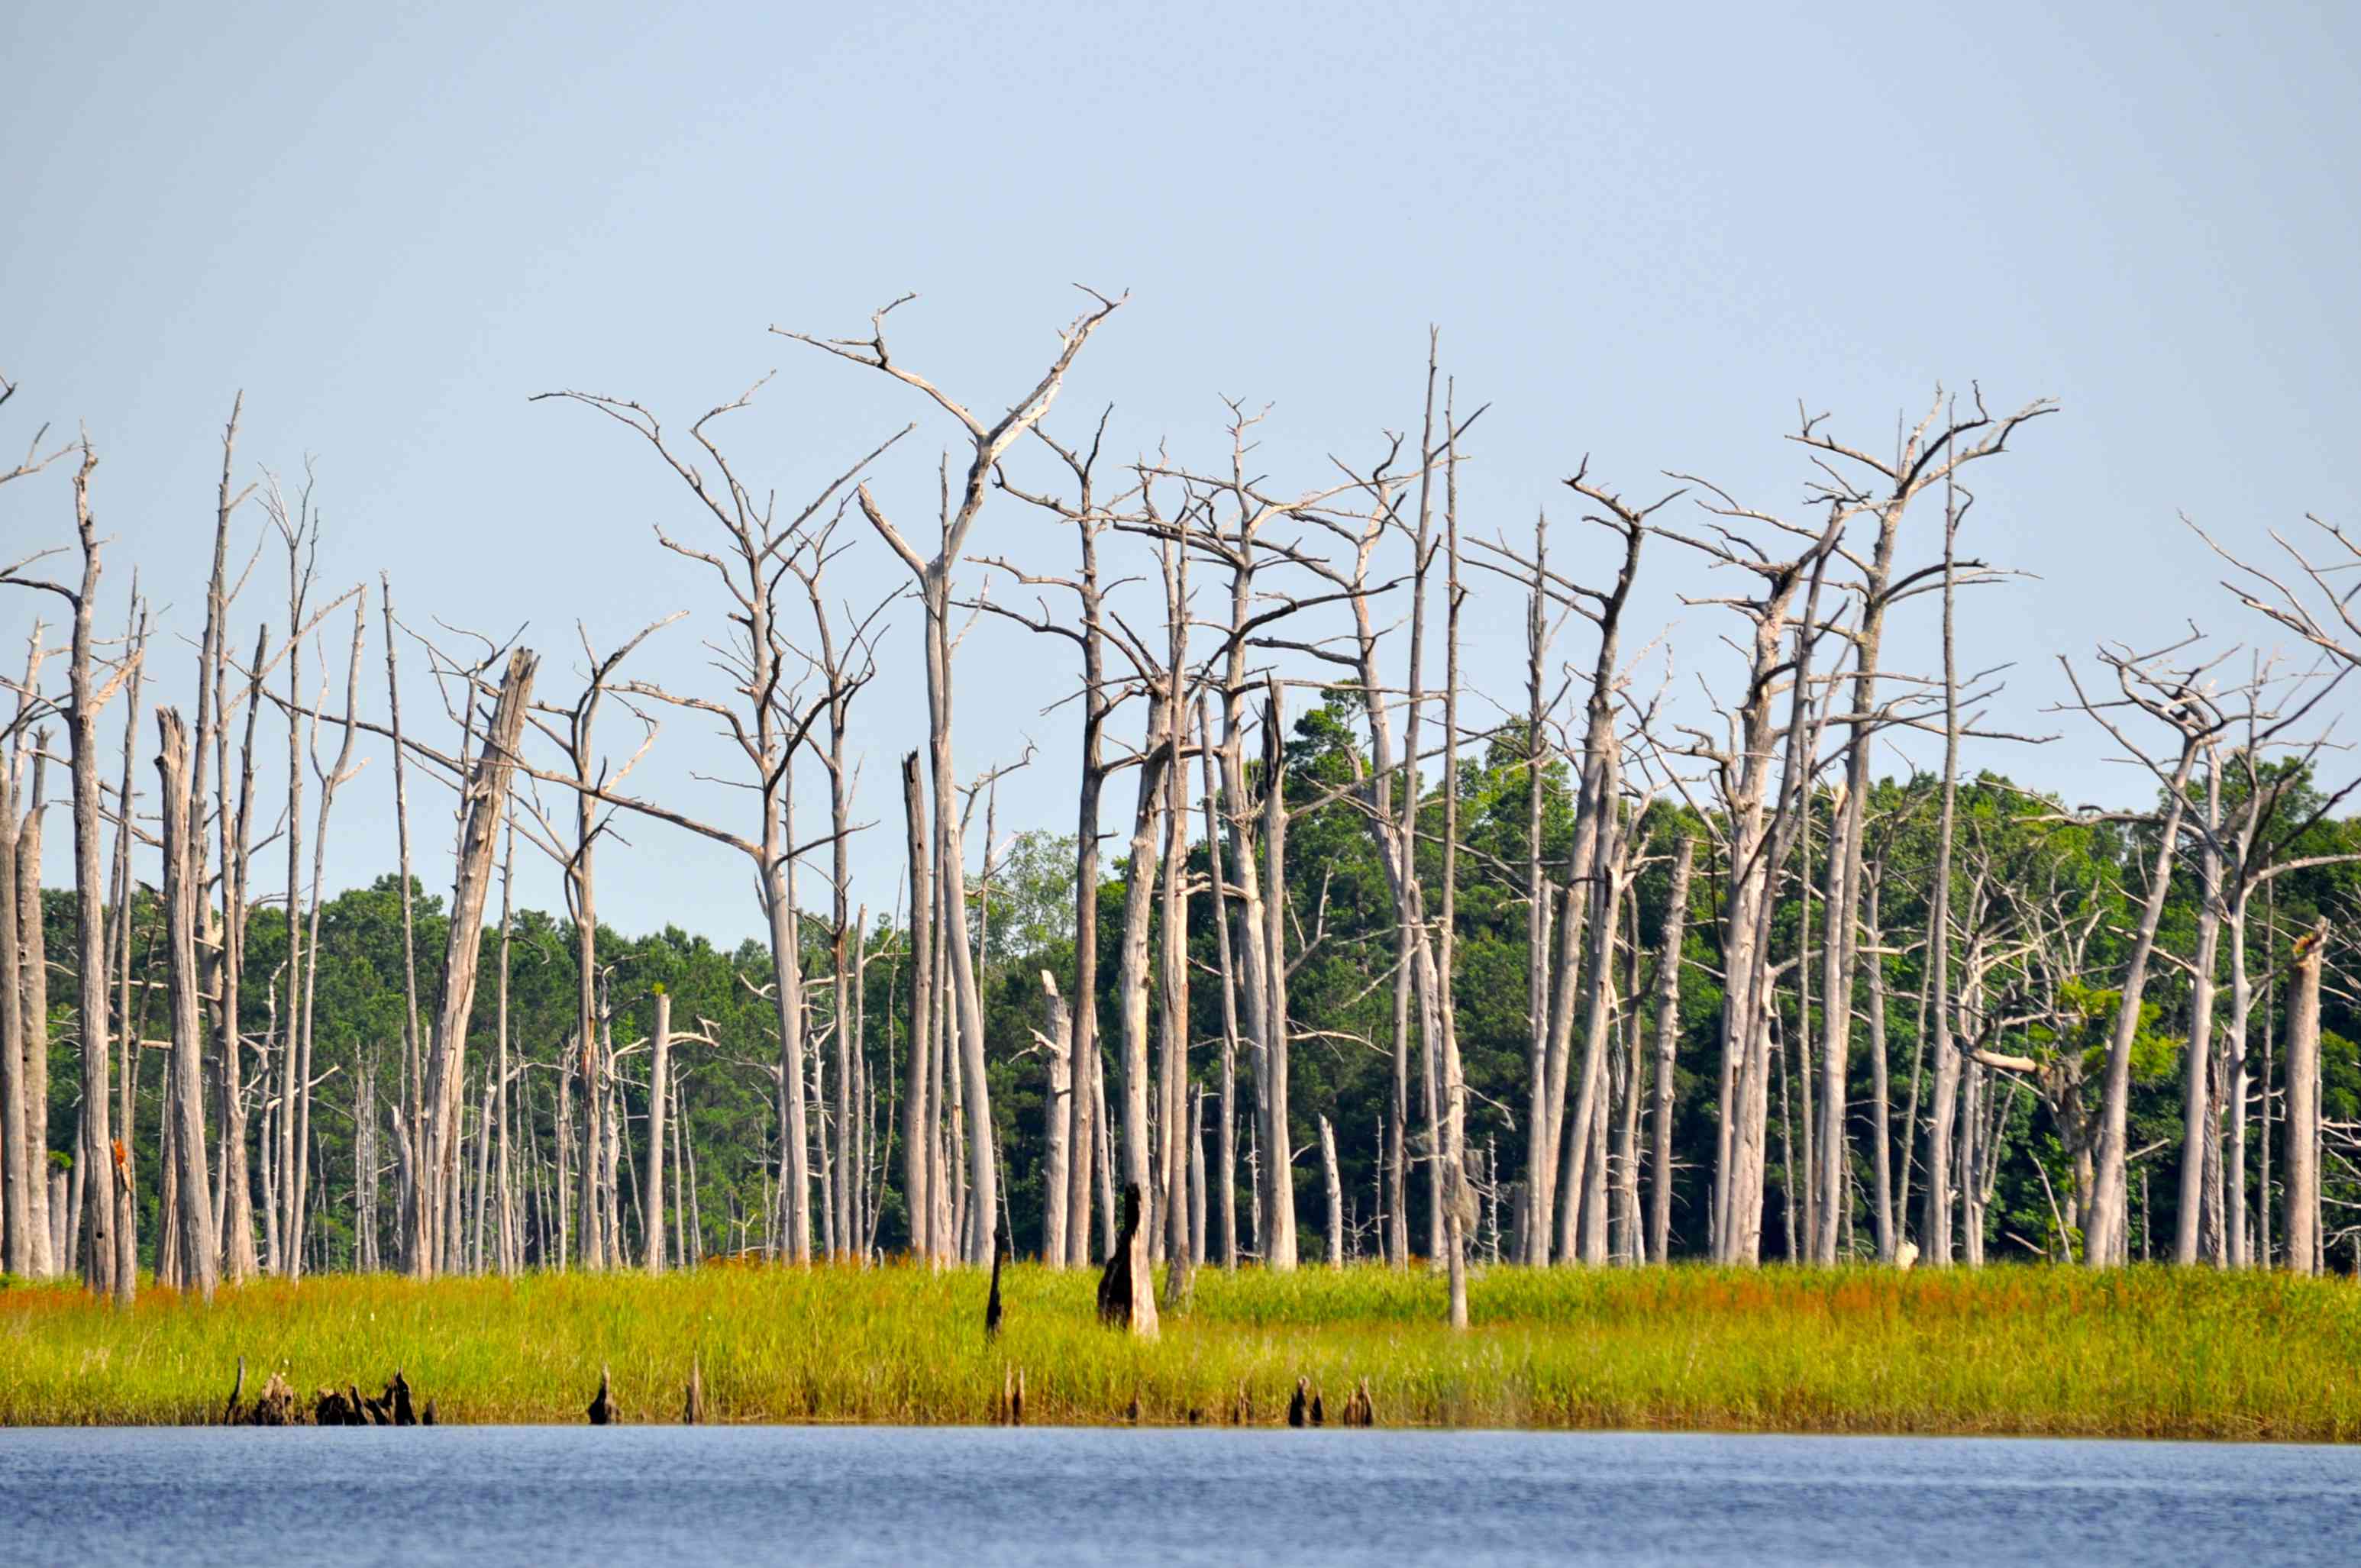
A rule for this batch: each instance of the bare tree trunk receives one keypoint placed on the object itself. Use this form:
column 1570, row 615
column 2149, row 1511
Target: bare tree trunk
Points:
column 983, row 1178
column 2106, row 1239
column 1935, row 1229
column 1131, row 969
column 1103, row 1160
column 27, row 973
column 509, row 1249
column 127, row 1198
column 2302, row 1223
column 1172, row 984
column 1227, row 1157
column 659, row 1078
column 18, row 1172
column 1335, row 1194
column 1628, row 1242
column 483, row 808
column 185, row 1102
column 595, row 1251
column 1535, row 1224
column 917, row 1109
column 239, row 1261
column 99, row 1154
column 414, row 1072
column 2242, row 997
column 2197, row 1109
column 844, row 1211
column 1278, row 1235
column 1667, row 1037
column 336, row 774
column 1882, row 1199
column 1605, row 893
column 1197, row 1237
column 1056, row 1037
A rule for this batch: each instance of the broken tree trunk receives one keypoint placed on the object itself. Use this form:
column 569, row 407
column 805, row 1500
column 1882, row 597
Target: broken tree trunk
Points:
column 2302, row 1227
column 1126, row 1287
column 604, row 1412
column 485, row 803
column 1335, row 1194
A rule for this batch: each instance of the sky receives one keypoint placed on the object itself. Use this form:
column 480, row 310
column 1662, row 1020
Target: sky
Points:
column 1647, row 234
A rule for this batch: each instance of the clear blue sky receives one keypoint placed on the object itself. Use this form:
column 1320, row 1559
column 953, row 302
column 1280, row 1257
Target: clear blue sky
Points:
column 1646, row 233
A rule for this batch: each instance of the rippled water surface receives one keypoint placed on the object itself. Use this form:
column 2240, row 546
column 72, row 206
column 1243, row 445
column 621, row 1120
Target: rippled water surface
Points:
column 489, row 1496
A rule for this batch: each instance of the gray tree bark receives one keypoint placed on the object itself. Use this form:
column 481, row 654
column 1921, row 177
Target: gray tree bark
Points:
column 185, row 1105
column 2302, row 1192
column 1666, row 1039
column 482, row 809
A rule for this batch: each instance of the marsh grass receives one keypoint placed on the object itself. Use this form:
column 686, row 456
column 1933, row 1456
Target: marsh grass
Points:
column 2139, row 1352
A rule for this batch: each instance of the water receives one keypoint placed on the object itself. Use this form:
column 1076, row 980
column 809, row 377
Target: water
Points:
column 491, row 1497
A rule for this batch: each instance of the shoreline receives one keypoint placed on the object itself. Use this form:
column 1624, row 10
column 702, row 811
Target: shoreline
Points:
column 2153, row 1353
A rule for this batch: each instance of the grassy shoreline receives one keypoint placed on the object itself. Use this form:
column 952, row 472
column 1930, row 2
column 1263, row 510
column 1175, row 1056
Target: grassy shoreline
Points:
column 2033, row 1350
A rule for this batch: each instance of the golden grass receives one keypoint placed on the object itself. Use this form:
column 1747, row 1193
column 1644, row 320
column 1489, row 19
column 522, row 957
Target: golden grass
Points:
column 2143, row 1352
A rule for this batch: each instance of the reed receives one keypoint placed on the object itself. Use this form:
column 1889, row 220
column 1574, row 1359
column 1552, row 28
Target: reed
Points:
column 2140, row 1351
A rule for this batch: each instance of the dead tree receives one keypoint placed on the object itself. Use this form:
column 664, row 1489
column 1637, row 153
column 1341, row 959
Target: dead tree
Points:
column 659, row 1082
column 1068, row 1140
column 184, row 1101
column 221, row 954
column 1933, row 454
column 482, row 807
column 2173, row 694
column 1336, row 1193
column 766, row 727
column 571, row 730
column 843, row 665
column 2302, row 1196
column 16, row 1171
column 1603, row 860
column 1758, row 828
column 1549, row 601
column 25, row 1249
column 918, row 1104
column 1667, row 1028
column 990, row 443
column 1227, row 1137
column 92, row 682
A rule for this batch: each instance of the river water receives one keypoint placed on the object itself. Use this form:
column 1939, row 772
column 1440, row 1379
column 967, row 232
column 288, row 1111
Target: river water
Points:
column 491, row 1497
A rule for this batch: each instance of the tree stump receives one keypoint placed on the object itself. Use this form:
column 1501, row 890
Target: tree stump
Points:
column 275, row 1406
column 397, row 1398
column 692, row 1406
column 237, row 1393
column 1298, row 1409
column 1361, row 1410
column 1126, row 1285
column 991, row 1301
column 603, row 1410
